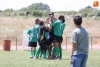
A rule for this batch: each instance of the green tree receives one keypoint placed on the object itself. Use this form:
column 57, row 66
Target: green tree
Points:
column 87, row 11
column 7, row 12
column 35, row 9
column 38, row 6
column 98, row 13
column 23, row 9
column 0, row 11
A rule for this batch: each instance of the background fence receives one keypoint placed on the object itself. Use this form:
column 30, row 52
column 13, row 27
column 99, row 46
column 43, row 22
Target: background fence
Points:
column 14, row 43
column 94, row 42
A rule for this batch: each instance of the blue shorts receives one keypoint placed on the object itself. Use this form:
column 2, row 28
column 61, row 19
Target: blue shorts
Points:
column 79, row 60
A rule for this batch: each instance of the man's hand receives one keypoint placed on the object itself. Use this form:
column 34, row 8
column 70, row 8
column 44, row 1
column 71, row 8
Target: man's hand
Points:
column 29, row 36
column 71, row 61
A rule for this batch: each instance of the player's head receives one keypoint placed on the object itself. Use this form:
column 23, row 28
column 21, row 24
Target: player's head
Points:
column 47, row 20
column 77, row 20
column 62, row 18
column 37, row 21
column 41, row 23
column 51, row 14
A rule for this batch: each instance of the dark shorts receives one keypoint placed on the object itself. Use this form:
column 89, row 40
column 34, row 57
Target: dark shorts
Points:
column 47, row 42
column 57, row 39
column 61, row 39
column 50, row 41
column 42, row 45
column 32, row 44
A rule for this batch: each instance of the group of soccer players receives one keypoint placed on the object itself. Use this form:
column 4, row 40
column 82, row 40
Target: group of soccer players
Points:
column 48, row 34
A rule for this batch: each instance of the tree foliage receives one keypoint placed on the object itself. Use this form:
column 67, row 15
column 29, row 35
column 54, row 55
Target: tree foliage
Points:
column 38, row 6
column 88, row 11
column 36, row 9
column 40, row 9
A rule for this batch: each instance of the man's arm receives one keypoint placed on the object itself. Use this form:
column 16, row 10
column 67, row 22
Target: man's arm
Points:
column 52, row 25
column 73, row 48
column 46, row 29
column 74, row 44
column 72, row 52
column 28, row 34
column 62, row 28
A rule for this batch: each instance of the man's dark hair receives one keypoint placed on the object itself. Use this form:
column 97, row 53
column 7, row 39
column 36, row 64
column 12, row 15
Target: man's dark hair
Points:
column 37, row 20
column 51, row 13
column 77, row 20
column 41, row 23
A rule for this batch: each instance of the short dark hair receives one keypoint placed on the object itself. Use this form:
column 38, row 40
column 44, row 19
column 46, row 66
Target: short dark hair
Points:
column 62, row 18
column 77, row 20
column 37, row 20
column 41, row 23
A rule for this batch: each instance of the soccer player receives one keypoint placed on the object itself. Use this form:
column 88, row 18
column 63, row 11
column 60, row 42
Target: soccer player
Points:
column 50, row 40
column 37, row 26
column 80, row 43
column 57, row 35
column 47, row 24
column 32, row 34
column 62, row 29
column 42, row 39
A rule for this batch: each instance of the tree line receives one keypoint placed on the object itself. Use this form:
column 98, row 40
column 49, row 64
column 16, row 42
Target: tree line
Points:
column 42, row 10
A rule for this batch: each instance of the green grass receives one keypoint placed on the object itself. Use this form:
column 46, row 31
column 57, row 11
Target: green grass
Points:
column 21, row 59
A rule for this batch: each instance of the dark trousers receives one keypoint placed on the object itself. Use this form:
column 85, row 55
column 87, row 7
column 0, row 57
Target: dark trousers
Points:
column 43, row 47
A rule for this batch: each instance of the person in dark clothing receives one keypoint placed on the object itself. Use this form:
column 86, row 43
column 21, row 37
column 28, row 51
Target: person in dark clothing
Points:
column 42, row 38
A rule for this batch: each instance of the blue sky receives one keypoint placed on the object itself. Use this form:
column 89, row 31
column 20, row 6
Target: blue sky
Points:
column 55, row 5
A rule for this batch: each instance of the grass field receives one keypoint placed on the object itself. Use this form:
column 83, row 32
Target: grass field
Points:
column 21, row 59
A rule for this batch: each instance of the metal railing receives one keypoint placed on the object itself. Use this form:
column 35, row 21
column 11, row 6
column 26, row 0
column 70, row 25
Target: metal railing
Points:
column 90, row 39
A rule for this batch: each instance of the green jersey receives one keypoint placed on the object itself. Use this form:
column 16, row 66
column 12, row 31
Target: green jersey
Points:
column 62, row 28
column 57, row 27
column 37, row 29
column 33, row 33
column 47, row 35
